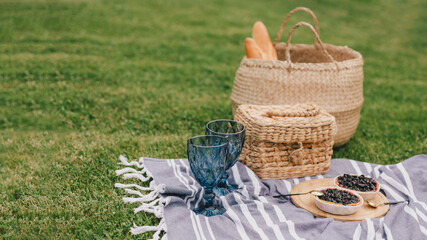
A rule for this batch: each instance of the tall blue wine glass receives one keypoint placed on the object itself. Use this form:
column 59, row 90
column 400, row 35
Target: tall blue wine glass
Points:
column 207, row 157
column 235, row 133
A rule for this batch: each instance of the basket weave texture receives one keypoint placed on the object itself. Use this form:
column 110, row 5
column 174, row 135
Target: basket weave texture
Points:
column 286, row 141
column 329, row 76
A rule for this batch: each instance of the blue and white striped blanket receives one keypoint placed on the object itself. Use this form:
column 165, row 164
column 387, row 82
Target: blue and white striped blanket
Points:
column 253, row 213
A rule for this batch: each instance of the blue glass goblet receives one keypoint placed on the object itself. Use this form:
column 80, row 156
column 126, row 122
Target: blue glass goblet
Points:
column 235, row 133
column 207, row 157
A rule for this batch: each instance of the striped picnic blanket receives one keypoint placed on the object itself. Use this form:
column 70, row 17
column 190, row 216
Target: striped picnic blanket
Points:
column 254, row 213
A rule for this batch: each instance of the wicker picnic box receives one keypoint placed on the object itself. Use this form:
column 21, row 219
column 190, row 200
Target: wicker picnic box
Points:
column 327, row 75
column 284, row 141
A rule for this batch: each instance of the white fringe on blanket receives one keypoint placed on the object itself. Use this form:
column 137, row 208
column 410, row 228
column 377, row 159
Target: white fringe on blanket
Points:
column 152, row 202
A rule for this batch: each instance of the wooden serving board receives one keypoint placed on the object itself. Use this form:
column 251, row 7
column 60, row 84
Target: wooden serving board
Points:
column 307, row 202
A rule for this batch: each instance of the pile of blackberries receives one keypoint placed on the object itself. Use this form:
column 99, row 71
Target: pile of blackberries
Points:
column 338, row 196
column 358, row 183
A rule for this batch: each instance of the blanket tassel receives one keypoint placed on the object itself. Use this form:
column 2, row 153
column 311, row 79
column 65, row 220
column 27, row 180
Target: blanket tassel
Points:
column 151, row 202
column 159, row 228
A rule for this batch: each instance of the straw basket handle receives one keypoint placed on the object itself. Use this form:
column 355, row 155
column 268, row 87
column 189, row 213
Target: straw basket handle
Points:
column 310, row 111
column 316, row 23
column 288, row 42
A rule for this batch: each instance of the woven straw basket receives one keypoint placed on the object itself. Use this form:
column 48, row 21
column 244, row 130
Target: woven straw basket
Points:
column 286, row 141
column 329, row 76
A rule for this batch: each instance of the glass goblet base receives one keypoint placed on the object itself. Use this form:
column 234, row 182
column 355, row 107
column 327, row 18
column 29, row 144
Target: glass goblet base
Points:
column 210, row 211
column 223, row 190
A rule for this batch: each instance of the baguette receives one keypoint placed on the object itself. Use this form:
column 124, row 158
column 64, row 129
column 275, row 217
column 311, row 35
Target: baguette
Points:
column 252, row 49
column 262, row 39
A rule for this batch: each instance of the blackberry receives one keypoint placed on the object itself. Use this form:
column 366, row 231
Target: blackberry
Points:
column 338, row 196
column 358, row 183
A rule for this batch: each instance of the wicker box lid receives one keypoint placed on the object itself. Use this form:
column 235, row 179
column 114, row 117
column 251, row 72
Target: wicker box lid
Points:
column 301, row 123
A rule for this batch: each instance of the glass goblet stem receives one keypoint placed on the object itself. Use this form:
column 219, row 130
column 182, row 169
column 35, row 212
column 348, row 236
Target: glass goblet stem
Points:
column 223, row 181
column 209, row 196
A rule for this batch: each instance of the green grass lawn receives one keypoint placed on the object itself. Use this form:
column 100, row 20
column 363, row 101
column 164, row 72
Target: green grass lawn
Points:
column 84, row 81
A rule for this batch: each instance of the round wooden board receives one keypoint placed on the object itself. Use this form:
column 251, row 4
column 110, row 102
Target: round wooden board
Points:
column 307, row 202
